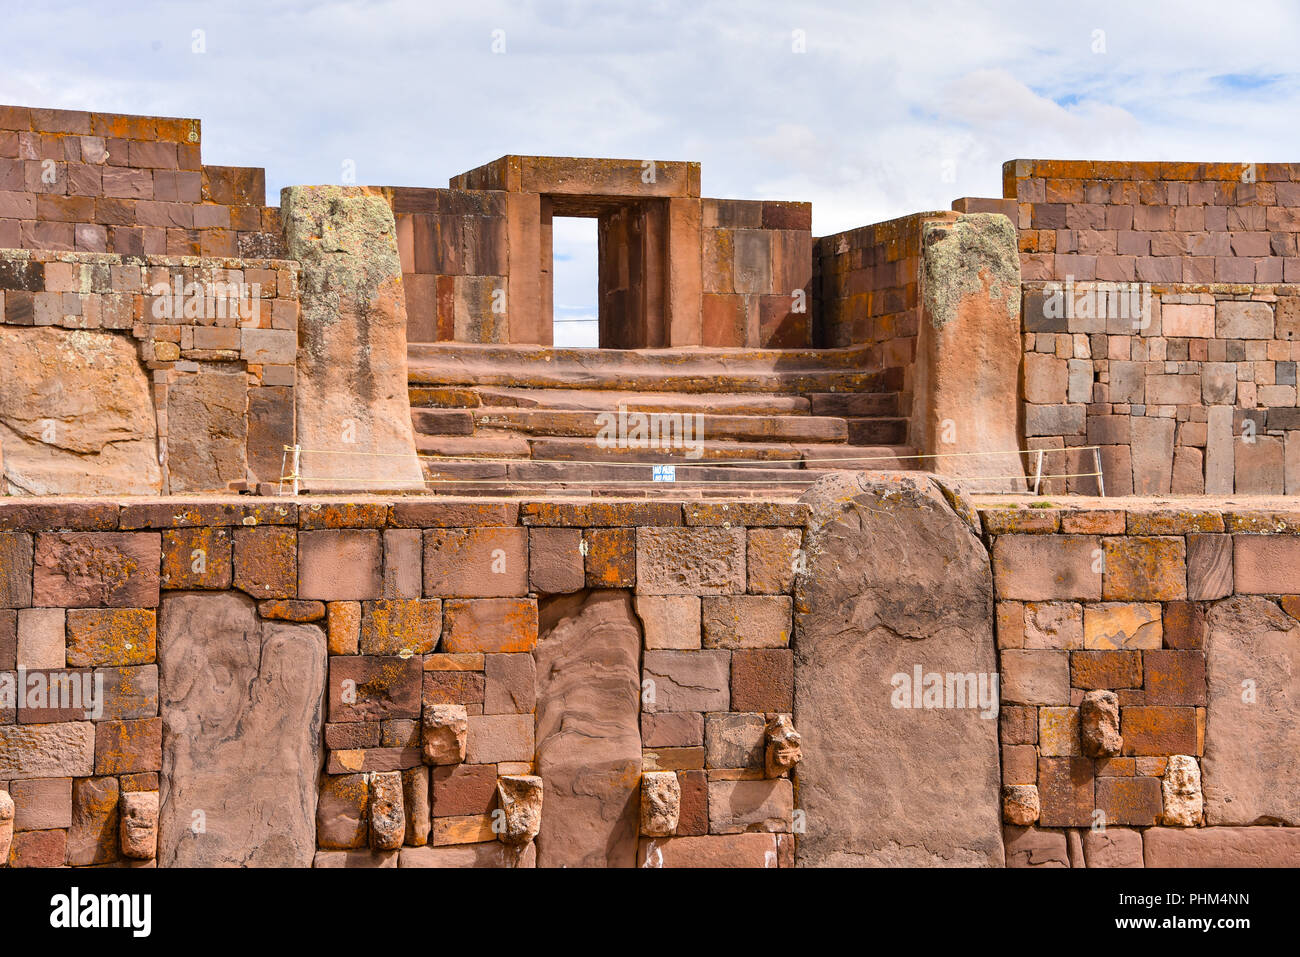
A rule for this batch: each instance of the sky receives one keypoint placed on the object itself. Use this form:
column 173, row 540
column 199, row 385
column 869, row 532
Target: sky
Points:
column 868, row 110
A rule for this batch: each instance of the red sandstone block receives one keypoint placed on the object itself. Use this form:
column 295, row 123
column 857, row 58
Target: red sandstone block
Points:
column 196, row 558
column 492, row 625
column 460, row 789
column 1184, row 624
column 1105, row 669
column 555, row 560
column 1144, row 568
column 455, row 687
column 762, row 680
column 15, row 570
column 770, row 559
column 1174, row 677
column 123, row 747
column 1046, row 567
column 88, row 569
column 1065, row 792
column 715, row 850
column 1266, row 564
column 1129, row 800
column 368, row 688
column 611, row 557
column 1221, row 847
column 476, row 562
column 342, row 564
column 391, row 626
column 266, row 561
column 38, row 849
column 1158, row 731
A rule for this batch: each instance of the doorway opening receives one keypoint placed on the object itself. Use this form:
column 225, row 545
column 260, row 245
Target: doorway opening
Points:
column 575, row 278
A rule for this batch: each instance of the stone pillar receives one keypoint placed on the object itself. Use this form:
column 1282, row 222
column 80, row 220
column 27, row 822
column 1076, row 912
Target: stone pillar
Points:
column 351, row 383
column 898, row 587
column 968, row 351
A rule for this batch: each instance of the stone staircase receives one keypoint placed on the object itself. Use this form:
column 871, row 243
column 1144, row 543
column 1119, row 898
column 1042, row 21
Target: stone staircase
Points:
column 503, row 416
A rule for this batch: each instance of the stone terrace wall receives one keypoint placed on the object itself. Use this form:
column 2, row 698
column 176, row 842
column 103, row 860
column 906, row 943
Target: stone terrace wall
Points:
column 133, row 185
column 1150, row 663
column 1157, row 222
column 868, row 292
column 430, row 657
column 1196, row 396
column 757, row 273
column 107, row 379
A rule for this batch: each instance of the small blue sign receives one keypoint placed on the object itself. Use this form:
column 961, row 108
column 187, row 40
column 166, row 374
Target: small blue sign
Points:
column 665, row 473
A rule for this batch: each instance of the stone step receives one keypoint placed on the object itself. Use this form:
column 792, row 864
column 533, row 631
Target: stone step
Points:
column 692, row 370
column 857, row 457
column 479, row 446
column 799, row 428
column 876, row 431
column 600, row 400
column 738, row 453
column 854, row 404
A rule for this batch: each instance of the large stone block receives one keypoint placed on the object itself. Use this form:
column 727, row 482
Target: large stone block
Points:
column 690, row 561
column 242, row 709
column 896, row 580
column 1252, row 735
column 76, row 415
column 62, row 750
column 588, row 734
column 1221, row 847
column 1047, row 567
column 207, row 416
column 351, row 394
column 88, row 569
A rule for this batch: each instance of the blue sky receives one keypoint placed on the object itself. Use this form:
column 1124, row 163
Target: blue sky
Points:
column 869, row 110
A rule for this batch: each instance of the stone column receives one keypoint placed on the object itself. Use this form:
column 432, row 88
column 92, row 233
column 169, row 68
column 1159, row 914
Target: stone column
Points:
column 968, row 351
column 351, row 400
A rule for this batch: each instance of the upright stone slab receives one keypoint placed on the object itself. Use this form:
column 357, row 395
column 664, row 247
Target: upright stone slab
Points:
column 351, row 384
column 588, row 733
column 1250, row 774
column 242, row 703
column 968, row 351
column 896, row 581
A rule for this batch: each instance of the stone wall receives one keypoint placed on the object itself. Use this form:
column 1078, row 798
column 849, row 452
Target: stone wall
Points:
column 1188, row 389
column 143, row 374
column 131, row 185
column 757, row 274
column 386, row 682
column 455, row 251
column 1157, row 222
column 366, row 683
column 1150, row 661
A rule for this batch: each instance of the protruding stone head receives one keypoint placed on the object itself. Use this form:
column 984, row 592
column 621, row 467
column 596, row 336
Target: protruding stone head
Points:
column 139, row 827
column 444, row 733
column 520, row 799
column 783, row 748
column 661, row 803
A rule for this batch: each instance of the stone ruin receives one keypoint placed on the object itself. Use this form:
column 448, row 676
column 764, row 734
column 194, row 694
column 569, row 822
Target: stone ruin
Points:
column 946, row 541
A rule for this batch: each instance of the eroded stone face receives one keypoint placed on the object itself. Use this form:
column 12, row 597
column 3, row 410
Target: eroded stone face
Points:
column 896, row 579
column 444, row 733
column 661, row 801
column 242, row 703
column 1020, row 804
column 1181, row 789
column 783, row 749
column 1099, row 724
column 76, row 414
column 139, row 825
column 520, row 799
column 351, row 380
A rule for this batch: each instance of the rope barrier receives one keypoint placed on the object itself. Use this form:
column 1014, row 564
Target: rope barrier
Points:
column 293, row 474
